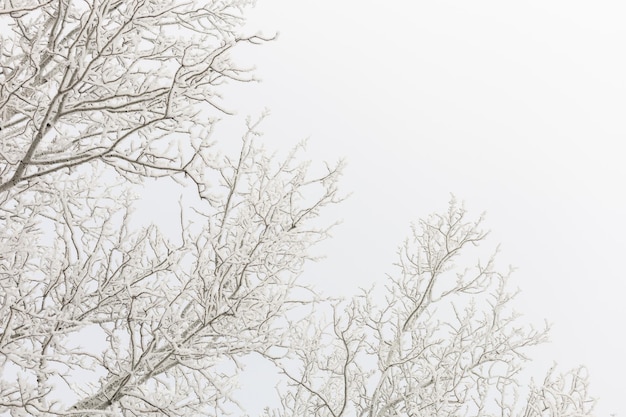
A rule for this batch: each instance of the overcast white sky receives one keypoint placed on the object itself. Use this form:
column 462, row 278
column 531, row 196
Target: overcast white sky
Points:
column 515, row 107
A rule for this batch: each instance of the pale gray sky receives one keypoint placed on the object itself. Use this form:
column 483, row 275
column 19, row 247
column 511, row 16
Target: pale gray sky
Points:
column 515, row 107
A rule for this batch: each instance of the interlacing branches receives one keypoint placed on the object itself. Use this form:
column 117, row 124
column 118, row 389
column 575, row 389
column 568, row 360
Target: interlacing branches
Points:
column 97, row 315
column 445, row 342
column 111, row 81
column 156, row 325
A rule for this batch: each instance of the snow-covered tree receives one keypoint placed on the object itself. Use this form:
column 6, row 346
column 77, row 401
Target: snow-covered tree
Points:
column 100, row 316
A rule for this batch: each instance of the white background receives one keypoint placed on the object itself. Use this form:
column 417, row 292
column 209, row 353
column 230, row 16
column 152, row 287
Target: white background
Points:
column 515, row 107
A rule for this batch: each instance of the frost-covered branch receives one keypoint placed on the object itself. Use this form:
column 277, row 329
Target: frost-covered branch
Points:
column 117, row 82
column 163, row 319
column 442, row 340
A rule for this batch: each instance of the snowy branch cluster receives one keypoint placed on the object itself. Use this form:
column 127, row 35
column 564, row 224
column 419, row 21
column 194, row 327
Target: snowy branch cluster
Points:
column 445, row 342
